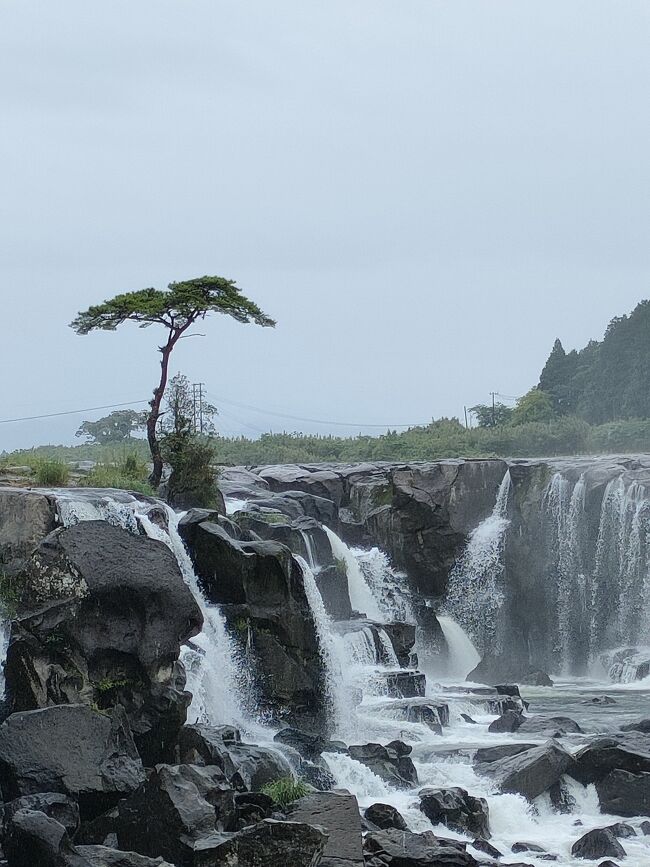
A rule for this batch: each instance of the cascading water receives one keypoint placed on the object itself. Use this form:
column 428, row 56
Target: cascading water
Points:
column 221, row 686
column 462, row 656
column 361, row 595
column 388, row 586
column 474, row 594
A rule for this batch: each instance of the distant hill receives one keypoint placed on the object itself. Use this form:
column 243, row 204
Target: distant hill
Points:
column 607, row 380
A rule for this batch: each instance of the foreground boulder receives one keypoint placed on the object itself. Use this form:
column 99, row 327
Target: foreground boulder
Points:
column 261, row 586
column 102, row 856
column 56, row 806
column 270, row 843
column 338, row 815
column 456, row 809
column 26, row 518
column 391, row 762
column 32, row 838
column 528, row 773
column 384, row 816
column 624, row 793
column 72, row 750
column 394, row 848
column 624, row 752
column 599, row 843
column 102, row 619
column 247, row 767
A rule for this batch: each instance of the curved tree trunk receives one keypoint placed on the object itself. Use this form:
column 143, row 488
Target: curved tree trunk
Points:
column 154, row 415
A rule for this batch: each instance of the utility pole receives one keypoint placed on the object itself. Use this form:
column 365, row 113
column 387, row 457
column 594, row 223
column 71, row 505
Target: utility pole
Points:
column 494, row 416
column 465, row 411
column 197, row 406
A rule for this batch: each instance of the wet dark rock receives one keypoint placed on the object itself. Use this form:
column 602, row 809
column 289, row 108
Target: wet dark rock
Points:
column 600, row 700
column 192, row 519
column 642, row 725
column 251, row 808
column 103, row 856
column 624, row 794
column 510, row 689
column 599, row 843
column 549, row 726
column 485, row 755
column 394, row 848
column 26, row 518
column 433, row 715
column 486, row 848
column 561, row 798
column 645, row 828
column 264, row 584
column 56, row 806
column 174, row 808
column 621, row 830
column 536, row 678
column 531, row 772
column 310, row 746
column 245, row 766
column 72, row 750
column 526, row 847
column 468, row 719
column 338, row 815
column 402, row 637
column 33, row 838
column 405, row 684
column 502, row 704
column 627, row 752
column 393, row 764
column 456, row 809
column 385, row 816
column 103, row 617
column 269, row 843
column 509, row 721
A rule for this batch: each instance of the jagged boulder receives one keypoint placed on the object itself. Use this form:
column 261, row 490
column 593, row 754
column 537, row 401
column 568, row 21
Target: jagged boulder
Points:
column 509, row 721
column 60, row 807
column 102, row 856
column 103, row 615
column 69, row 749
column 599, row 843
column 394, row 848
column 391, row 762
column 332, row 582
column 494, row 669
column 176, row 806
column 624, row 793
column 247, row 767
column 486, row 755
column 338, row 815
column 548, row 726
column 456, row 809
column 625, row 752
column 270, row 843
column 404, row 684
column 261, row 586
column 26, row 518
column 33, row 838
column 384, row 816
column 528, row 773
column 402, row 637
column 642, row 725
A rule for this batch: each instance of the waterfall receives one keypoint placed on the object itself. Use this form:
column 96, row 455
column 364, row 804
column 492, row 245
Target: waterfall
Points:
column 361, row 595
column 388, row 586
column 330, row 650
column 474, row 594
column 563, row 511
column 463, row 657
column 309, row 548
column 217, row 677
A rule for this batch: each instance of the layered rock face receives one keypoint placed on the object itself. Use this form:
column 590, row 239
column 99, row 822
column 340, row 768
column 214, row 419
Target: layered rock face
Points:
column 259, row 586
column 420, row 514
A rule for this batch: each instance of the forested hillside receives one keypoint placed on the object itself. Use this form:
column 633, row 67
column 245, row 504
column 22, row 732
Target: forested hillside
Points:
column 607, row 380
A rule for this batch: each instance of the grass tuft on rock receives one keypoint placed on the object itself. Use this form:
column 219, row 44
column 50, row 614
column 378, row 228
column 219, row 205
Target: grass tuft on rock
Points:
column 52, row 473
column 285, row 790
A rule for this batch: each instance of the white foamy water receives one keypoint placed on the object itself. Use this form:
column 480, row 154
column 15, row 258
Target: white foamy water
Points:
column 462, row 655
column 361, row 595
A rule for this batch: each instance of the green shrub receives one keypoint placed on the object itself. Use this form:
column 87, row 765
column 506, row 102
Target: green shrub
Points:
column 10, row 593
column 192, row 480
column 114, row 477
column 285, row 790
column 52, row 473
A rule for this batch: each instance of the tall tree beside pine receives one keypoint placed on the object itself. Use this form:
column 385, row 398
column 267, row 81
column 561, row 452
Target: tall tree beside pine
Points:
column 176, row 309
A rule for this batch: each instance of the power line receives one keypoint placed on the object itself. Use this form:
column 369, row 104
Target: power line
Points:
column 313, row 420
column 72, row 411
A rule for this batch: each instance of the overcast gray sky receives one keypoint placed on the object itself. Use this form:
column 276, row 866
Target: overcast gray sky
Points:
column 423, row 194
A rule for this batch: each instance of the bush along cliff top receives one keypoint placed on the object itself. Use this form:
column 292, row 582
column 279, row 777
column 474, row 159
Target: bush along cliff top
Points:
column 177, row 309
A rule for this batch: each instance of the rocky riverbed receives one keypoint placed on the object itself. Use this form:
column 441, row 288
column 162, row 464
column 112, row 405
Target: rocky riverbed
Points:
column 168, row 675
